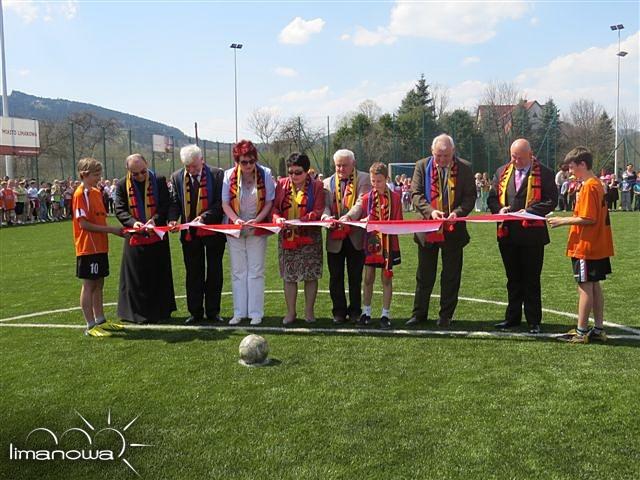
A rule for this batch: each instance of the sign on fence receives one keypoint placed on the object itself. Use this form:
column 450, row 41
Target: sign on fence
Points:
column 19, row 136
column 162, row 144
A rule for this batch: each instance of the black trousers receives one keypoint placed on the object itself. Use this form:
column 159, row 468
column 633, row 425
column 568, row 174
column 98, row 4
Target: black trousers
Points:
column 203, row 263
column 523, row 265
column 355, row 263
column 426, row 278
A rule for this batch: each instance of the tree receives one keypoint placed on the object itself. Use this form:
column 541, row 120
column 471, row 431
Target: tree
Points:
column 264, row 123
column 495, row 108
column 467, row 137
column 546, row 137
column 440, row 96
column 416, row 122
column 520, row 124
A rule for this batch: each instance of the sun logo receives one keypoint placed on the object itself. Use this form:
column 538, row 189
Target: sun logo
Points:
column 93, row 452
column 125, row 444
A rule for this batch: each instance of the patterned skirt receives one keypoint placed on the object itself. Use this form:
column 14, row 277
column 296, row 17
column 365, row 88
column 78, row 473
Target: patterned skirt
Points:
column 304, row 263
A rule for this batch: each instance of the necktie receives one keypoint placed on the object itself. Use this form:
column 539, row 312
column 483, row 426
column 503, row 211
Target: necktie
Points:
column 519, row 178
column 195, row 194
column 445, row 190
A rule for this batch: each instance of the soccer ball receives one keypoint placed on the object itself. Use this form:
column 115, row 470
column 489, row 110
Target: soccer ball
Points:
column 254, row 350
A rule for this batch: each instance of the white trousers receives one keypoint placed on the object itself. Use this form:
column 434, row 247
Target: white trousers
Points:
column 247, row 275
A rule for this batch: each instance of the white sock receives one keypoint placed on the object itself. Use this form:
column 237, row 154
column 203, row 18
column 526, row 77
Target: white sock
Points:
column 385, row 313
column 366, row 310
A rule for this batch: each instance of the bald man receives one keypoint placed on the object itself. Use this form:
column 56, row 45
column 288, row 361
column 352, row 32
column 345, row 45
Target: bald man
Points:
column 523, row 184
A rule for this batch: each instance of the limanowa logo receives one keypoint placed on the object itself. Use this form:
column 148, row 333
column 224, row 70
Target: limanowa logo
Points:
column 92, row 453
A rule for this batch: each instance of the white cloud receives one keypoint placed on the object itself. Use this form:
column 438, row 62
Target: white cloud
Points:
column 590, row 73
column 32, row 10
column 366, row 38
column 23, row 72
column 299, row 30
column 466, row 94
column 286, row 72
column 345, row 36
column 534, row 21
column 304, row 95
column 470, row 60
column 475, row 22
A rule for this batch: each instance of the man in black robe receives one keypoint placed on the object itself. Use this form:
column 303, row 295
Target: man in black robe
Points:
column 146, row 281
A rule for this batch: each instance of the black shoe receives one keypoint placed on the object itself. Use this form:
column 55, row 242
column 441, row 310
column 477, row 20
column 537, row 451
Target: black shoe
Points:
column 535, row 329
column 339, row 320
column 385, row 323
column 413, row 321
column 363, row 321
column 444, row 322
column 506, row 324
column 215, row 318
column 192, row 319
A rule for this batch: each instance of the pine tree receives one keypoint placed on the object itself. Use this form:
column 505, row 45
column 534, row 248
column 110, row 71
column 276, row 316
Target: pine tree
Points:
column 547, row 135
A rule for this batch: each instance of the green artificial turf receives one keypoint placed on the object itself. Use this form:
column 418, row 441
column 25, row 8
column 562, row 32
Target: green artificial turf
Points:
column 330, row 405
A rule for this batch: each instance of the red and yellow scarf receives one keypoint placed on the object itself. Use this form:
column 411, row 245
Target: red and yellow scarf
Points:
column 295, row 205
column 435, row 195
column 378, row 250
column 142, row 213
column 534, row 193
column 235, row 188
column 202, row 196
column 343, row 203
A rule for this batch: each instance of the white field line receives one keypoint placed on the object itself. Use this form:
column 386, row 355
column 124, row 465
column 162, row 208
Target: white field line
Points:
column 574, row 316
column 311, row 331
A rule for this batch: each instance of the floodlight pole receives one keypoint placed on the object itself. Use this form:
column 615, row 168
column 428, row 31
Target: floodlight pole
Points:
column 8, row 159
column 235, row 47
column 619, row 55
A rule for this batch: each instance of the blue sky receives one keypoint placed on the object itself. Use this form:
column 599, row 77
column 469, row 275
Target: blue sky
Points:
column 171, row 61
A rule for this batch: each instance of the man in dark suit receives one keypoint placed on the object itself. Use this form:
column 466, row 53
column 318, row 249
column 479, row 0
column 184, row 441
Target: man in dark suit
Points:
column 523, row 184
column 196, row 196
column 443, row 187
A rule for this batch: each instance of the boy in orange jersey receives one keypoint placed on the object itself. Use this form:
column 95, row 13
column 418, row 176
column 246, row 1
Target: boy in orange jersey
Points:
column 589, row 246
column 90, row 231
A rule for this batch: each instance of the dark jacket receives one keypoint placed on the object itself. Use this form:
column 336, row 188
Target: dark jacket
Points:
column 519, row 234
column 463, row 202
column 122, row 203
column 213, row 214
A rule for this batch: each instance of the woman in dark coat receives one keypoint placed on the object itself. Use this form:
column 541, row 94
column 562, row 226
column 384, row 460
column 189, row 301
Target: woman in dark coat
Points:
column 146, row 281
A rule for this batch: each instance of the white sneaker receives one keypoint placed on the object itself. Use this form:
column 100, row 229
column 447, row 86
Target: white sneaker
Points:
column 256, row 321
column 235, row 321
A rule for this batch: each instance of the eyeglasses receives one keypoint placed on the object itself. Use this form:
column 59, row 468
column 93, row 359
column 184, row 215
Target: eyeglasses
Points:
column 247, row 162
column 141, row 172
column 296, row 172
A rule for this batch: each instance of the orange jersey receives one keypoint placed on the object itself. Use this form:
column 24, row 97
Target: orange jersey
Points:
column 595, row 241
column 88, row 204
column 9, row 198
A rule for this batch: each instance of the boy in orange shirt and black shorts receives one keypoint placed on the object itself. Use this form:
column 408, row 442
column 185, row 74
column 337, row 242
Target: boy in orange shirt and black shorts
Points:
column 90, row 231
column 590, row 246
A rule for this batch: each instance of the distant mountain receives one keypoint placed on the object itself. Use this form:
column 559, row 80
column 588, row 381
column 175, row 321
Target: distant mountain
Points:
column 23, row 105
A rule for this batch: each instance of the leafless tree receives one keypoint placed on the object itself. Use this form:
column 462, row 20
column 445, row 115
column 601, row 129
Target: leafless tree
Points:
column 264, row 123
column 370, row 109
column 440, row 96
column 496, row 118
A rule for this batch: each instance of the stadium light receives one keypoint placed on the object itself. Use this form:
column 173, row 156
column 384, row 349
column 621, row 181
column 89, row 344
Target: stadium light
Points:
column 235, row 47
column 620, row 54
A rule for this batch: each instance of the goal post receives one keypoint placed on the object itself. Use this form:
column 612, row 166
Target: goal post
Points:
column 401, row 168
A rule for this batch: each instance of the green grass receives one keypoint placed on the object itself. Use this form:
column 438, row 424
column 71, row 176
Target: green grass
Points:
column 333, row 405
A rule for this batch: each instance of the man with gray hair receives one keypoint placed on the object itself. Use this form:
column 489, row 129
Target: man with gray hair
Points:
column 344, row 244
column 196, row 196
column 442, row 188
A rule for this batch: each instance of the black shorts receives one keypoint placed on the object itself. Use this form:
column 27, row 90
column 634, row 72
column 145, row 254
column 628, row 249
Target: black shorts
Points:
column 590, row 270
column 92, row 267
column 19, row 208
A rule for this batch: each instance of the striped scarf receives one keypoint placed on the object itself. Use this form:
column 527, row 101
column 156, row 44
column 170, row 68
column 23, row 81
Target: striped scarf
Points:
column 534, row 193
column 295, row 205
column 343, row 203
column 435, row 194
column 202, row 196
column 235, row 188
column 378, row 249
column 142, row 204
